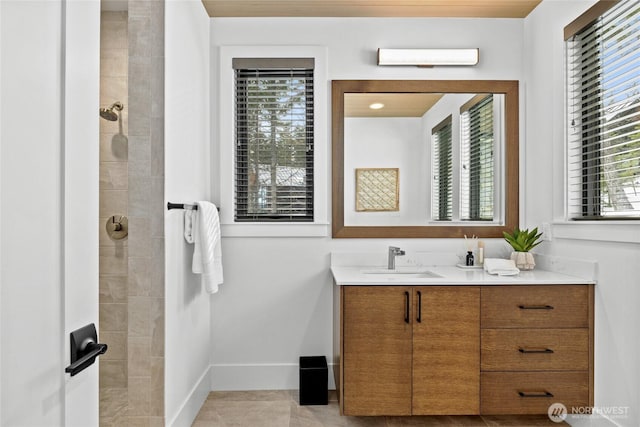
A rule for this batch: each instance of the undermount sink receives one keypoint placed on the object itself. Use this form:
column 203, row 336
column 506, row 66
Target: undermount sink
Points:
column 405, row 273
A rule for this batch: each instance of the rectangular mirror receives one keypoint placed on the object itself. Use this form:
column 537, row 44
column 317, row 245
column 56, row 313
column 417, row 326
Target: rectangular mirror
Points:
column 424, row 158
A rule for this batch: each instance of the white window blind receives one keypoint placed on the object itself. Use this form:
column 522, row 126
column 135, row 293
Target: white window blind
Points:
column 603, row 66
column 274, row 140
column 442, row 167
column 477, row 160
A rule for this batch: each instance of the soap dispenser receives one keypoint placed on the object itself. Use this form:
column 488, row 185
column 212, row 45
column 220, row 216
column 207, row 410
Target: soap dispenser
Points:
column 469, row 260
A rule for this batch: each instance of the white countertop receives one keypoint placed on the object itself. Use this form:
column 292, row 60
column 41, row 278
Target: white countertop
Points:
column 451, row 275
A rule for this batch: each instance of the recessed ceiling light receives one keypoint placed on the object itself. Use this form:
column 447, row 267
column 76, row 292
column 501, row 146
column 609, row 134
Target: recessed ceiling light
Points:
column 376, row 105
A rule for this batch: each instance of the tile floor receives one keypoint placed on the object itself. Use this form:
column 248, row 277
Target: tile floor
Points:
column 281, row 409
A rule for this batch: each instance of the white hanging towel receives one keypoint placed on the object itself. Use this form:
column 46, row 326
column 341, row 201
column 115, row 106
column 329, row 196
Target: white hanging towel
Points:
column 207, row 253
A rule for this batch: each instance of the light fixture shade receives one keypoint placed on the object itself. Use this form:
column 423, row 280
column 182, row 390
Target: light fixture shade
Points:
column 428, row 57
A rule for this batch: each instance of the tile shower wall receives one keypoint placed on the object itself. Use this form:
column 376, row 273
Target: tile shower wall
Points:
column 146, row 214
column 114, row 200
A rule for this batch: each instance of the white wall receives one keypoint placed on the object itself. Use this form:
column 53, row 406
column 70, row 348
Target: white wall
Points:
column 187, row 179
column 49, row 177
column 390, row 142
column 617, row 342
column 275, row 304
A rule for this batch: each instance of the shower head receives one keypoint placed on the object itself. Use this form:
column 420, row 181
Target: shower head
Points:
column 109, row 113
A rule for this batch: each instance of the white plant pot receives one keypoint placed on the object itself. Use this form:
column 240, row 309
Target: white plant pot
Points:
column 523, row 260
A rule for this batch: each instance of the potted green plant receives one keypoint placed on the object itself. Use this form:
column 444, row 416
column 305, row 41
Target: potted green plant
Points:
column 522, row 241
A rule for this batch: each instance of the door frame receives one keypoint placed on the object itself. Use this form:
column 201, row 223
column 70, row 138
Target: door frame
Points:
column 80, row 182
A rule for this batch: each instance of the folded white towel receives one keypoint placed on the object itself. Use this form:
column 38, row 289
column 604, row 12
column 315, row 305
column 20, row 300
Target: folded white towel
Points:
column 501, row 267
column 207, row 254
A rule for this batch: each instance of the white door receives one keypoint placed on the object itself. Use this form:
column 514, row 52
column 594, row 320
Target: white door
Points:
column 49, row 84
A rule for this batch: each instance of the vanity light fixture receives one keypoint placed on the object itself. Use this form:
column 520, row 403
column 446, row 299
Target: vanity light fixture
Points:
column 428, row 57
column 376, row 106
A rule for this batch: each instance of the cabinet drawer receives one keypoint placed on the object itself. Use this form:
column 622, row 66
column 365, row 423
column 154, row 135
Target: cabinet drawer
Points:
column 556, row 306
column 532, row 392
column 535, row 350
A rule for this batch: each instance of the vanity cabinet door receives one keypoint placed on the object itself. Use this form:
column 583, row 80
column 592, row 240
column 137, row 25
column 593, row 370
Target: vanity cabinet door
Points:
column 446, row 350
column 377, row 350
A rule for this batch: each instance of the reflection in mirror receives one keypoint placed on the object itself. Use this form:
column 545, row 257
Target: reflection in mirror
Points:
column 447, row 147
column 453, row 144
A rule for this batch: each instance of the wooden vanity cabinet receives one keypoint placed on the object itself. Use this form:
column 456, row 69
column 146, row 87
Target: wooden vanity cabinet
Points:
column 454, row 350
column 409, row 350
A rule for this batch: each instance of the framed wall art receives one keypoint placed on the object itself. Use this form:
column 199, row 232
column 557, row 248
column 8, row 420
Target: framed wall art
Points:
column 377, row 189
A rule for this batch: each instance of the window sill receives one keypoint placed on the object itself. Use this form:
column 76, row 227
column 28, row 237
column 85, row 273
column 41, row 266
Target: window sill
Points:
column 609, row 231
column 262, row 229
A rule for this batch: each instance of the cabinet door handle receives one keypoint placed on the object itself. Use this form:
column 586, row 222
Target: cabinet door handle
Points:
column 406, row 307
column 419, row 318
column 535, row 394
column 535, row 350
column 535, row 307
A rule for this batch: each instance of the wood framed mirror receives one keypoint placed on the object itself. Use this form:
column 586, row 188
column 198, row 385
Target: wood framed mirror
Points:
column 435, row 210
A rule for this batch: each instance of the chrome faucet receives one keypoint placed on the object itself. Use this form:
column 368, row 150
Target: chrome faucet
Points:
column 393, row 252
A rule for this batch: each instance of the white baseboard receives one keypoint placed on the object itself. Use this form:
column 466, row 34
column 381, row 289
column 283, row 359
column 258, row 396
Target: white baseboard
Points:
column 267, row 376
column 194, row 401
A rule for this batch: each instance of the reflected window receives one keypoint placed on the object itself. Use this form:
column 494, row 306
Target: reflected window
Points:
column 442, row 166
column 477, row 161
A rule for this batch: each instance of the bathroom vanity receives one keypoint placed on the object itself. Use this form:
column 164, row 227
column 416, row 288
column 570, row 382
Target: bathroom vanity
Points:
column 448, row 341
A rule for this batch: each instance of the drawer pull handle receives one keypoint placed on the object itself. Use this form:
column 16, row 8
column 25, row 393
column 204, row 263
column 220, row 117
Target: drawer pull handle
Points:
column 406, row 307
column 535, row 394
column 535, row 350
column 419, row 319
column 535, row 307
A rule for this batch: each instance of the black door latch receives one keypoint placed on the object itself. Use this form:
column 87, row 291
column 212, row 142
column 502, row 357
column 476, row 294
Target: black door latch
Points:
column 84, row 349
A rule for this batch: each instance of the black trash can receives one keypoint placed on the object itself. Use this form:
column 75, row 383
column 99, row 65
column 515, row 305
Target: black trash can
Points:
column 314, row 380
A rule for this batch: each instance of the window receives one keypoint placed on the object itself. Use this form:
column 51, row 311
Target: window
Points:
column 476, row 159
column 603, row 91
column 442, row 165
column 464, row 161
column 274, row 140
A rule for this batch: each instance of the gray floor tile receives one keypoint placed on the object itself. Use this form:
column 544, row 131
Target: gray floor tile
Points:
column 277, row 408
column 447, row 421
column 520, row 421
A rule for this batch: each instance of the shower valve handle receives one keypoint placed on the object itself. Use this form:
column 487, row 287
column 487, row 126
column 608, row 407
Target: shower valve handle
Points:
column 117, row 227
